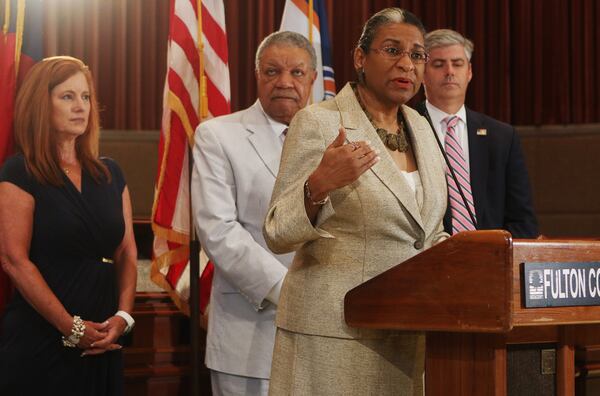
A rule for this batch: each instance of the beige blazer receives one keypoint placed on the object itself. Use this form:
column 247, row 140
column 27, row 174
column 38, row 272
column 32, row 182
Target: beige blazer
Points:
column 366, row 228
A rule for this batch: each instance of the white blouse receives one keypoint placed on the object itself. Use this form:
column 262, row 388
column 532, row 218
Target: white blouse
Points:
column 414, row 182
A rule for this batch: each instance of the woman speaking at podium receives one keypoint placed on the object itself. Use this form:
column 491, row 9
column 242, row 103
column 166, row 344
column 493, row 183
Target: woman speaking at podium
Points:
column 360, row 189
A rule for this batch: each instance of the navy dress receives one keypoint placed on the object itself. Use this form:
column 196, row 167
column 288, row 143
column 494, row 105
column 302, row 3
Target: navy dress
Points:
column 72, row 232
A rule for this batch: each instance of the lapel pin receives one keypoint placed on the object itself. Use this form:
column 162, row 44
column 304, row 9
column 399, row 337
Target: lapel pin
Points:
column 482, row 132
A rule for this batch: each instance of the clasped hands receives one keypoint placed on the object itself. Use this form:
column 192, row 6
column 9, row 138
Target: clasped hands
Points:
column 342, row 164
column 101, row 337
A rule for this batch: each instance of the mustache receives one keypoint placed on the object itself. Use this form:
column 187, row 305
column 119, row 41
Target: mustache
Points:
column 285, row 93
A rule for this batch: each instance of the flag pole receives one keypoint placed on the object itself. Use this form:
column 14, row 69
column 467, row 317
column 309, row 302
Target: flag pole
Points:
column 19, row 36
column 311, row 18
column 194, row 294
column 310, row 21
column 194, row 300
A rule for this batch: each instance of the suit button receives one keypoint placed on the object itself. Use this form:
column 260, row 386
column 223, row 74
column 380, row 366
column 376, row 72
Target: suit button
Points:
column 418, row 244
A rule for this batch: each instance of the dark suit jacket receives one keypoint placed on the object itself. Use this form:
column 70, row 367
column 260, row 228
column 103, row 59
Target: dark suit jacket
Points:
column 499, row 178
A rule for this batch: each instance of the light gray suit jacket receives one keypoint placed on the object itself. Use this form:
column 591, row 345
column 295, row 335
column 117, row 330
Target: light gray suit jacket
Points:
column 236, row 158
column 366, row 228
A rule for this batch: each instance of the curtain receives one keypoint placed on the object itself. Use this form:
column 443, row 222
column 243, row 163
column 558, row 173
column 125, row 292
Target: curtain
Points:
column 535, row 62
column 124, row 42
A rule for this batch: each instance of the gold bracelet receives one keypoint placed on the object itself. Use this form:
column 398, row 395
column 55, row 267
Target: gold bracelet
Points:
column 77, row 331
column 307, row 194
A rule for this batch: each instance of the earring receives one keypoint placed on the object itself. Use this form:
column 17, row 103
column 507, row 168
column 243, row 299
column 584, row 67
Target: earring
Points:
column 360, row 72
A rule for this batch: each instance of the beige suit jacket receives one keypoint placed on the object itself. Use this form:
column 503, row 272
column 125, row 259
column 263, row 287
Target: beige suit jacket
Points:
column 366, row 228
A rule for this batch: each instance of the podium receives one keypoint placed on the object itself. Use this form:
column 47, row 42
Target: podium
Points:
column 466, row 293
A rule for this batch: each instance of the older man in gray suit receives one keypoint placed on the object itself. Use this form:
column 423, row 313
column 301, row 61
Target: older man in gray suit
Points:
column 236, row 159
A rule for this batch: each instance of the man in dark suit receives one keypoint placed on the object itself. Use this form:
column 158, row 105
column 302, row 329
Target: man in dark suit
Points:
column 496, row 184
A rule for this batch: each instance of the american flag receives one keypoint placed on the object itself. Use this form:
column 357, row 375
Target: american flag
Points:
column 298, row 15
column 21, row 45
column 196, row 88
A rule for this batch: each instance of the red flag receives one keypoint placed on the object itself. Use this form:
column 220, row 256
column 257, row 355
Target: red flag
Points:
column 20, row 47
column 186, row 94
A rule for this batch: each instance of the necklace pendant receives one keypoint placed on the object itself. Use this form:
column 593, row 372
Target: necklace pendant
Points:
column 402, row 145
column 392, row 142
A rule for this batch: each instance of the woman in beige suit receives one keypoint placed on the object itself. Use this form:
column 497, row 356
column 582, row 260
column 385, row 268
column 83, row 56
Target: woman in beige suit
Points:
column 360, row 189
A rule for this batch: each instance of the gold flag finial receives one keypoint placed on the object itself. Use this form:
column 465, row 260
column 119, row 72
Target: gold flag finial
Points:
column 203, row 96
column 6, row 24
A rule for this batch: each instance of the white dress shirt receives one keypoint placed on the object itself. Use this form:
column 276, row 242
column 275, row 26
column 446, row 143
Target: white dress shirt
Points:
column 437, row 116
column 277, row 127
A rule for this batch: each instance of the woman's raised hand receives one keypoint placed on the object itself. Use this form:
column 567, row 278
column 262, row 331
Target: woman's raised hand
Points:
column 342, row 164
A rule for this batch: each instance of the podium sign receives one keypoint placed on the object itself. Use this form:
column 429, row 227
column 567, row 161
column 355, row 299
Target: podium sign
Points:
column 561, row 284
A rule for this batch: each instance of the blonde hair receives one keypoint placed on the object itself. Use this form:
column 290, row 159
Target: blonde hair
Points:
column 445, row 38
column 34, row 135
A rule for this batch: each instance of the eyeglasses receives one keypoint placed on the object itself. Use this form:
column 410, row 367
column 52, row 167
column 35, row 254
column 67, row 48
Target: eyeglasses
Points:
column 393, row 53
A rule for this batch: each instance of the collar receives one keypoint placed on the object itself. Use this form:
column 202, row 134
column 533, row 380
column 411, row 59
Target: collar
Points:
column 437, row 115
column 278, row 127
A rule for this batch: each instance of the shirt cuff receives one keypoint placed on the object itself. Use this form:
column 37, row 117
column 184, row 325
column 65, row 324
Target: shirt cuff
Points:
column 274, row 293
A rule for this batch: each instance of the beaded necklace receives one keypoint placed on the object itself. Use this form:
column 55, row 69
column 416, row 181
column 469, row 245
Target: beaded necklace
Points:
column 393, row 141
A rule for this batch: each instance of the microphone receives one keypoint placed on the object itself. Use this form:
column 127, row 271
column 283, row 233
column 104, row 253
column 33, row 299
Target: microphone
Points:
column 439, row 143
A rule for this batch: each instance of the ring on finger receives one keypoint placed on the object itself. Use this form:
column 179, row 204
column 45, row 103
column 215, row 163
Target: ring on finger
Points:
column 355, row 146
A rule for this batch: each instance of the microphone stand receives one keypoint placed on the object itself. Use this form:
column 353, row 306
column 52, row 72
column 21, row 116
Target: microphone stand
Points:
column 460, row 190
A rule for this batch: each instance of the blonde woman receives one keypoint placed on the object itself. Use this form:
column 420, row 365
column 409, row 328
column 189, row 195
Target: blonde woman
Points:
column 66, row 242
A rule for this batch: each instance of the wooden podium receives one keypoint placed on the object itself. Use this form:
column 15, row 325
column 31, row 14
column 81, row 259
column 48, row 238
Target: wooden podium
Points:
column 466, row 293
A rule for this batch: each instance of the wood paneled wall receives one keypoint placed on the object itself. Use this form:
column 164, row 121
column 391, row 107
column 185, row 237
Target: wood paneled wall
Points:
column 137, row 154
column 563, row 165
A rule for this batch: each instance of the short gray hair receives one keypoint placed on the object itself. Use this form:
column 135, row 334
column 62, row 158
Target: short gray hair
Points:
column 445, row 38
column 290, row 39
column 383, row 17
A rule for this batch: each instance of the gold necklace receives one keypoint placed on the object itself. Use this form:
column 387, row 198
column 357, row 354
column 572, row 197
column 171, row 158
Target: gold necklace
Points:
column 393, row 141
column 66, row 168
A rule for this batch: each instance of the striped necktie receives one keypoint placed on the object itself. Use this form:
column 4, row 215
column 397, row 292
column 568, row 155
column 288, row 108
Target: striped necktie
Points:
column 461, row 221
